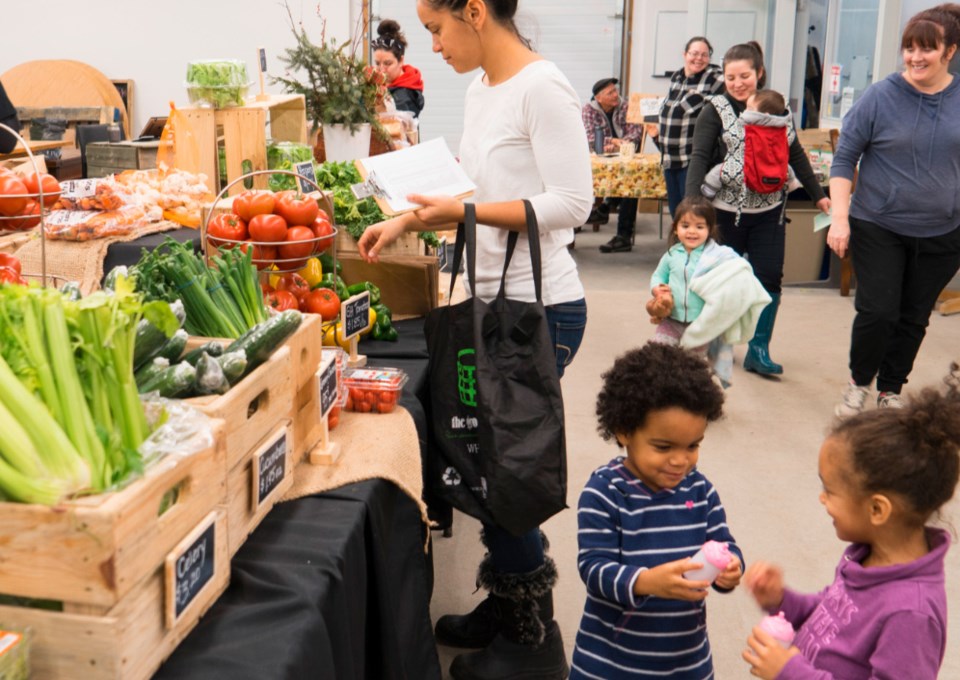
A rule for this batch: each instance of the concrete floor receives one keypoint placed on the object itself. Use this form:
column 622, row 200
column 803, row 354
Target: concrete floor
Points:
column 762, row 457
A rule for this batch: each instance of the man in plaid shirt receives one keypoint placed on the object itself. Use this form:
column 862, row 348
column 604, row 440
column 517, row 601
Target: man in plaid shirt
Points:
column 608, row 112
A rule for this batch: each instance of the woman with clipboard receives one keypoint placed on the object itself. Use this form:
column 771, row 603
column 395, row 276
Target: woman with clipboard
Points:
column 522, row 139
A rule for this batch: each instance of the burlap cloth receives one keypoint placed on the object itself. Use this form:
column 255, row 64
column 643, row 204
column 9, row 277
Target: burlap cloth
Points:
column 81, row 261
column 381, row 445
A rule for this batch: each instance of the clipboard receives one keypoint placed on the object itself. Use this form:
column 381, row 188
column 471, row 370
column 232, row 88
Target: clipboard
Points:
column 427, row 168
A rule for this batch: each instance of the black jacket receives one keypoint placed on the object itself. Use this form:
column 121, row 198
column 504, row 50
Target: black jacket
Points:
column 8, row 116
column 407, row 99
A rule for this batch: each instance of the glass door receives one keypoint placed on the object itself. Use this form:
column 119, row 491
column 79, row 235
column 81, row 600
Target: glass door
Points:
column 851, row 45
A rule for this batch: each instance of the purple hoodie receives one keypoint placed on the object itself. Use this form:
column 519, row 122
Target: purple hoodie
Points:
column 873, row 622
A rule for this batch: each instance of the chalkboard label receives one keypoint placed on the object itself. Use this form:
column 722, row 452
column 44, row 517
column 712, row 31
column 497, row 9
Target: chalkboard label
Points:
column 271, row 465
column 263, row 59
column 327, row 382
column 190, row 567
column 306, row 171
column 356, row 314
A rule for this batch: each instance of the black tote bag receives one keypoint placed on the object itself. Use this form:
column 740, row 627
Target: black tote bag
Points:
column 499, row 443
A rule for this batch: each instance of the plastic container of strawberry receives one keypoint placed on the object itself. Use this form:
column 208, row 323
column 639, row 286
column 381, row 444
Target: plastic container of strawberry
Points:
column 373, row 390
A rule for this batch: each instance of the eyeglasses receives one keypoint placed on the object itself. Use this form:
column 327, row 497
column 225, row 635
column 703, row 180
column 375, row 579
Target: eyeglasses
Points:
column 699, row 55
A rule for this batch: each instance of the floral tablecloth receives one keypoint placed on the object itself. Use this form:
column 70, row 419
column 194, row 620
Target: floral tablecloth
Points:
column 640, row 176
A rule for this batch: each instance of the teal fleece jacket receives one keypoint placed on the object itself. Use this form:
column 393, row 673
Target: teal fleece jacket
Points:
column 676, row 270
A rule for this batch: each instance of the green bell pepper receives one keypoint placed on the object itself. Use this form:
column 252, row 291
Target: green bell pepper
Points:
column 326, row 261
column 334, row 283
column 358, row 288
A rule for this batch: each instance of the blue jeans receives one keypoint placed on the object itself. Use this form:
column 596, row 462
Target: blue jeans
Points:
column 511, row 554
column 676, row 181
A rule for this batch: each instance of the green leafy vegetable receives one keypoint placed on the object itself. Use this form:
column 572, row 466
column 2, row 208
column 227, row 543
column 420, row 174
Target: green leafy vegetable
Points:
column 219, row 83
column 285, row 156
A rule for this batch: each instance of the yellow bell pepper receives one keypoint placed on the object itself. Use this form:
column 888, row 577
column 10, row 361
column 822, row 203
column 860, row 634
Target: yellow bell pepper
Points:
column 312, row 272
column 333, row 336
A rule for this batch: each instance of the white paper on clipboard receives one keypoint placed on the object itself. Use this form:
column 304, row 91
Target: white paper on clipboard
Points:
column 428, row 169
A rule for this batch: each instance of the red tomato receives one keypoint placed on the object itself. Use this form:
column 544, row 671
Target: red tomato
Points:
column 9, row 261
column 51, row 187
column 387, row 397
column 295, row 284
column 322, row 229
column 8, row 275
column 13, row 195
column 226, row 226
column 362, row 406
column 324, row 302
column 299, row 244
column 281, row 300
column 251, row 203
column 296, row 209
column 263, row 256
column 384, row 407
column 29, row 217
column 333, row 418
column 267, row 228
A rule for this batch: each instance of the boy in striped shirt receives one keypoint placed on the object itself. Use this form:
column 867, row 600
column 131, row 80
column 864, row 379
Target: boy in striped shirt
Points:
column 641, row 517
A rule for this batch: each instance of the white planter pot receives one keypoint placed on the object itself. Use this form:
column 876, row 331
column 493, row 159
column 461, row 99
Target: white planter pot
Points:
column 342, row 145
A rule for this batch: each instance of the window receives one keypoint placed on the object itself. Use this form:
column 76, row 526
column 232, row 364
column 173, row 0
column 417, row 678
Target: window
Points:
column 851, row 45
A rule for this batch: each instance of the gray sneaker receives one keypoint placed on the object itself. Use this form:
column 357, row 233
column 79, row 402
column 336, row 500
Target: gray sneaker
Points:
column 889, row 400
column 854, row 397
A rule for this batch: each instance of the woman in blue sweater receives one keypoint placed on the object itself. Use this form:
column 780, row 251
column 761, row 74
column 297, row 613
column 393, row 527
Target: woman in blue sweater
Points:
column 902, row 227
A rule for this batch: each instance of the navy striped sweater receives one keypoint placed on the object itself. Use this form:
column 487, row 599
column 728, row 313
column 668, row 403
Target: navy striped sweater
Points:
column 625, row 528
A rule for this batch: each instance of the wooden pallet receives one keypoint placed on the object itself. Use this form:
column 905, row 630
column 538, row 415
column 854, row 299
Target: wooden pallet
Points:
column 90, row 553
column 131, row 639
column 253, row 407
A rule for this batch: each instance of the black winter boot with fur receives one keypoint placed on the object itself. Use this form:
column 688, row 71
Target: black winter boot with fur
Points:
column 527, row 645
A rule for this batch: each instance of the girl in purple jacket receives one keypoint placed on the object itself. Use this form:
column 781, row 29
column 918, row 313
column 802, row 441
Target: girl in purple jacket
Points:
column 884, row 473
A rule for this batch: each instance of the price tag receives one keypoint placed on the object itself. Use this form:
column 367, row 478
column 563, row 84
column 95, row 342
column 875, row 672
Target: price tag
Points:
column 442, row 255
column 270, row 468
column 356, row 314
column 327, row 384
column 189, row 568
column 305, row 169
column 263, row 59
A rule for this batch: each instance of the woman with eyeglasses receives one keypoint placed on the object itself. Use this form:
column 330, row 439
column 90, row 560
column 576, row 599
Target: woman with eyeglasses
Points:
column 689, row 87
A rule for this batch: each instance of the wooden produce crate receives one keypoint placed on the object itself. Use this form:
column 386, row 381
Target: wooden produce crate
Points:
column 408, row 244
column 252, row 407
column 258, row 482
column 90, row 553
column 305, row 414
column 242, row 130
column 132, row 639
column 104, row 158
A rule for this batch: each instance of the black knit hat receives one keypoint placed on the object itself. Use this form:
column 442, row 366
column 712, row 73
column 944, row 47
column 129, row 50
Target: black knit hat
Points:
column 602, row 83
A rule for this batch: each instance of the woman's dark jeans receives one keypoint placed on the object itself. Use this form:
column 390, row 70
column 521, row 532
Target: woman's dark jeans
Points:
column 511, row 554
column 676, row 181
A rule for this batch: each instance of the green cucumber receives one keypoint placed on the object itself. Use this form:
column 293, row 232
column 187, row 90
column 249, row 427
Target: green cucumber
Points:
column 213, row 348
column 265, row 337
column 175, row 381
column 234, row 365
column 149, row 370
column 210, row 378
column 150, row 339
column 173, row 348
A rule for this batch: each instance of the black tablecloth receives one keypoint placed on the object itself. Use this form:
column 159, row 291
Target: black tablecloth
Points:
column 329, row 586
column 334, row 585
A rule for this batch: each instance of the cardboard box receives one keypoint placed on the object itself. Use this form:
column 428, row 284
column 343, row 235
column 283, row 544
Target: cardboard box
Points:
column 408, row 285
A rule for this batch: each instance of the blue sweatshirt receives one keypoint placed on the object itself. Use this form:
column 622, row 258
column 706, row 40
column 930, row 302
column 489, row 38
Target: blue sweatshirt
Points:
column 908, row 145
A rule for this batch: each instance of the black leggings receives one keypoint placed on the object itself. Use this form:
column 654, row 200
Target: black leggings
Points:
column 761, row 237
column 898, row 281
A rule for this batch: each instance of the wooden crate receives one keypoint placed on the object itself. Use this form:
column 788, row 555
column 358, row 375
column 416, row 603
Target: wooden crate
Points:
column 306, row 346
column 246, row 504
column 252, row 407
column 305, row 415
column 91, row 552
column 242, row 130
column 130, row 640
column 105, row 158
column 408, row 244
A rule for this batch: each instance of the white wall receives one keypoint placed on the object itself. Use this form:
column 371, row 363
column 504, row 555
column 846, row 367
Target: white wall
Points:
column 151, row 42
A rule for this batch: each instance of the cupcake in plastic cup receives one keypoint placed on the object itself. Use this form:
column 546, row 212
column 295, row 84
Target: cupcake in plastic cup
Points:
column 714, row 556
column 779, row 628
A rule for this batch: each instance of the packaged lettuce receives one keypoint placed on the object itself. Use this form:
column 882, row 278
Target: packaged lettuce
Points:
column 217, row 83
column 285, row 156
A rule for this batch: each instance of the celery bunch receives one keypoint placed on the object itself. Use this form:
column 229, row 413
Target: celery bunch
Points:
column 70, row 416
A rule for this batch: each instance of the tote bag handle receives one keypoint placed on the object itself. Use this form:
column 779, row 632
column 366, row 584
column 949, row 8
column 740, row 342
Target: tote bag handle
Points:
column 467, row 239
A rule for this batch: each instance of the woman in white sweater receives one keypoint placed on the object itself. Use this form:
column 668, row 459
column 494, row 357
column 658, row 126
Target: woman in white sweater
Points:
column 522, row 139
